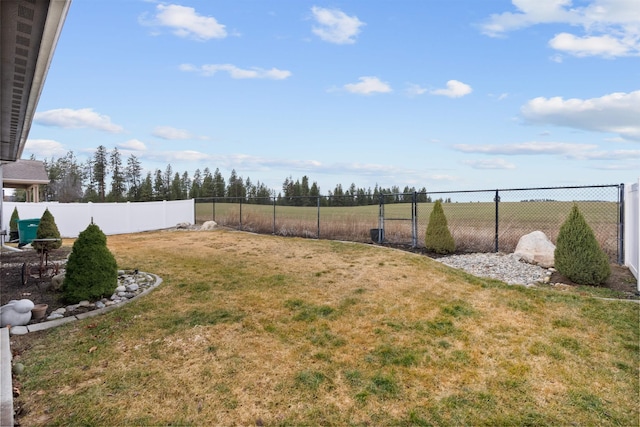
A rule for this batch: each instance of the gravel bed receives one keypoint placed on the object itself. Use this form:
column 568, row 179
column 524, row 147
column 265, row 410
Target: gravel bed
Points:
column 505, row 267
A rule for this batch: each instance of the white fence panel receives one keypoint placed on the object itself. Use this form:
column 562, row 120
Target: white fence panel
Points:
column 112, row 218
column 632, row 228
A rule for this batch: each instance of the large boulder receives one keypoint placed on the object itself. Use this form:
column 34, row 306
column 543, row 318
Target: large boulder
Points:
column 208, row 225
column 536, row 248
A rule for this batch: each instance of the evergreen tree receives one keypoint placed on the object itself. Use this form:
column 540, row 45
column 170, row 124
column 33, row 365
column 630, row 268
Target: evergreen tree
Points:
column 208, row 189
column 66, row 179
column 578, row 255
column 438, row 238
column 176, row 188
column 47, row 229
column 158, row 186
column 133, row 176
column 196, row 185
column 90, row 193
column 314, row 193
column 146, row 189
column 100, row 170
column 13, row 225
column 166, row 182
column 91, row 271
column 263, row 193
column 117, row 176
column 235, row 188
column 219, row 186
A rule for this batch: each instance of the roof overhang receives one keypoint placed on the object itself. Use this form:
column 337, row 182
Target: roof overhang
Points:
column 29, row 32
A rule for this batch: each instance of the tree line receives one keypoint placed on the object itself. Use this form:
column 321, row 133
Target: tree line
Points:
column 107, row 177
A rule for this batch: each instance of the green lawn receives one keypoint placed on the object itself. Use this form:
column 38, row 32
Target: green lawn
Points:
column 253, row 329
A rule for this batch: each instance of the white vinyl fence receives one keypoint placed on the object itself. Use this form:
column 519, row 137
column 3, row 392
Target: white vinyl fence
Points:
column 632, row 228
column 112, row 218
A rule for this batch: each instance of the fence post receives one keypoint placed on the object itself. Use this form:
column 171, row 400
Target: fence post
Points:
column 621, row 224
column 381, row 218
column 318, row 204
column 274, row 215
column 497, row 200
column 241, row 214
column 414, row 220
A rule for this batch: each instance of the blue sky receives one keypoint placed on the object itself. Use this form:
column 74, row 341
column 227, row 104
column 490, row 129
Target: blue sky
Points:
column 442, row 94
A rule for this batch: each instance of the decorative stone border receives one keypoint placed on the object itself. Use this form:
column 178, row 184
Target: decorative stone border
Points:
column 21, row 330
column 6, row 385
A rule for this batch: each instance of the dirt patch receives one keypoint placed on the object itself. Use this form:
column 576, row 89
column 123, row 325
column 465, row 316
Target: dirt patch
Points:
column 20, row 277
column 621, row 280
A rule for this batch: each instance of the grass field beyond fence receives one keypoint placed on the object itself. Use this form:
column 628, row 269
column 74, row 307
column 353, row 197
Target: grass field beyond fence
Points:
column 473, row 225
column 251, row 329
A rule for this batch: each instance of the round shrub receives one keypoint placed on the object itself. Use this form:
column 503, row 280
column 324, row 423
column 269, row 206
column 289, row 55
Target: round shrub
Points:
column 438, row 238
column 578, row 255
column 47, row 229
column 92, row 271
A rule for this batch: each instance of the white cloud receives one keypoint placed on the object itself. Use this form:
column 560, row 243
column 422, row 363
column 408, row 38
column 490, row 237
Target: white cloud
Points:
column 566, row 150
column 335, row 26
column 633, row 166
column 527, row 148
column 490, row 164
column 168, row 132
column 367, row 86
column 455, row 89
column 76, row 119
column 238, row 73
column 134, row 145
column 616, row 113
column 606, row 45
column 185, row 22
column 609, row 155
column 611, row 28
column 415, row 90
column 45, row 148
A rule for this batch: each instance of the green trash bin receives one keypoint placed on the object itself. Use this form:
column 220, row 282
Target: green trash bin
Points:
column 27, row 230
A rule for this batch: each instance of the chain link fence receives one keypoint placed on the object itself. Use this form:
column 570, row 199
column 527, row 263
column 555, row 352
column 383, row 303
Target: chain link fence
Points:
column 479, row 220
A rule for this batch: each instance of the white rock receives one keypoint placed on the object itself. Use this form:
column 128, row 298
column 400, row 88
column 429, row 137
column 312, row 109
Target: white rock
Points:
column 133, row 287
column 536, row 248
column 208, row 226
column 120, row 289
column 54, row 316
column 19, row 330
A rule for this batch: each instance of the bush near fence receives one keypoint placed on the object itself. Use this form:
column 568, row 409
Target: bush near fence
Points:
column 480, row 221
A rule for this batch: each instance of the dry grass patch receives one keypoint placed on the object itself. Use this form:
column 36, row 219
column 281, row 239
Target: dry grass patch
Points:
column 260, row 329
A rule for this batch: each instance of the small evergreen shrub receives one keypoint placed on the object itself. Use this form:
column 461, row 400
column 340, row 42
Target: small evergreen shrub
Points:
column 92, row 271
column 438, row 237
column 13, row 224
column 47, row 229
column 578, row 255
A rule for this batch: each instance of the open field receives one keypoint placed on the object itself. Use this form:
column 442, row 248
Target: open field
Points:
column 253, row 329
column 473, row 225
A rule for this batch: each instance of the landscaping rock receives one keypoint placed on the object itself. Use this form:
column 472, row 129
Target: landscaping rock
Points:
column 56, row 282
column 208, row 226
column 536, row 248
